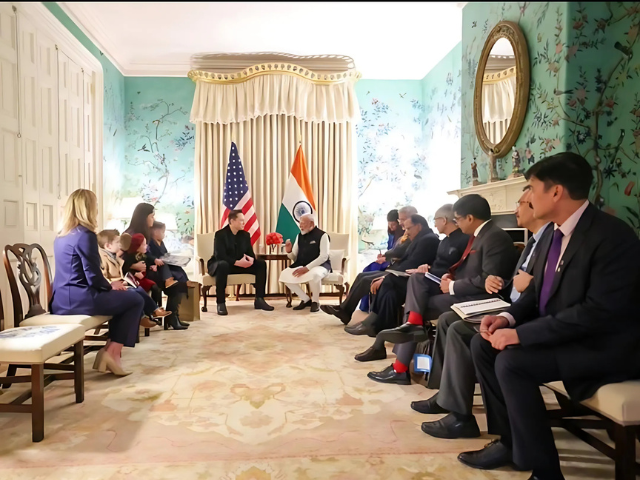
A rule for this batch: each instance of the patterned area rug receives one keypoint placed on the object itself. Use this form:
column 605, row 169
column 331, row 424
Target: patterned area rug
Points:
column 251, row 396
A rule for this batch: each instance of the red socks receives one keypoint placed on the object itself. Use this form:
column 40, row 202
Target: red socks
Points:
column 400, row 367
column 415, row 318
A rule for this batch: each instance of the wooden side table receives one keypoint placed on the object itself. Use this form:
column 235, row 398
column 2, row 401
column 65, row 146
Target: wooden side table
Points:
column 281, row 257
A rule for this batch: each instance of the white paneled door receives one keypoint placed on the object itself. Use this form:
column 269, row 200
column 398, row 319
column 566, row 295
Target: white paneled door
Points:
column 47, row 126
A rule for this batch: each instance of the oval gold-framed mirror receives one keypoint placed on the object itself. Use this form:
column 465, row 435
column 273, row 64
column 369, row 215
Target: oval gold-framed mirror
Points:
column 501, row 91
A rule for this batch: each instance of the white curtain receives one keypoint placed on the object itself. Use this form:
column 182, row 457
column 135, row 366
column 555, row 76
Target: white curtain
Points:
column 498, row 100
column 267, row 144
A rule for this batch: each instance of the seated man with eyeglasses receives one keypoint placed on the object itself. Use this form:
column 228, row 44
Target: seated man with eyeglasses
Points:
column 489, row 251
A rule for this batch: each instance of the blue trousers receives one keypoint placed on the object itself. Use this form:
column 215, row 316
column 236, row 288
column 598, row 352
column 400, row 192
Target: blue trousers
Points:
column 372, row 267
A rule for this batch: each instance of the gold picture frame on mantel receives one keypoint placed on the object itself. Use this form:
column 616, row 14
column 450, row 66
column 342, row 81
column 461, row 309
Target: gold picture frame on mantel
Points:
column 511, row 32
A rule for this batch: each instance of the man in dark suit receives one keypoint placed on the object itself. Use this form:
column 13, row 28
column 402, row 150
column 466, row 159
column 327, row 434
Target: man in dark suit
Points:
column 393, row 290
column 576, row 322
column 453, row 372
column 489, row 251
column 233, row 254
column 390, row 290
column 362, row 283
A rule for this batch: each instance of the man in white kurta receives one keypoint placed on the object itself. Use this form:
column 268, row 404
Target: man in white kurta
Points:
column 310, row 257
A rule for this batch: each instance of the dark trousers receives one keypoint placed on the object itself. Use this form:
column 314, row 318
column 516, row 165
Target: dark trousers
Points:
column 125, row 308
column 510, row 382
column 388, row 301
column 160, row 276
column 150, row 305
column 223, row 270
column 178, row 273
column 361, row 287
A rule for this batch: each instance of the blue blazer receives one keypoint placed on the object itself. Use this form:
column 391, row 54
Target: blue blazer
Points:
column 78, row 281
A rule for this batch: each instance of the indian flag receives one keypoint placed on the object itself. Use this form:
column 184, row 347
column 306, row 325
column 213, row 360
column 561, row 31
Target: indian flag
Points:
column 297, row 201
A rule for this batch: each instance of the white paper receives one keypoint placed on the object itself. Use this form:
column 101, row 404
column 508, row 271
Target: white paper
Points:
column 475, row 307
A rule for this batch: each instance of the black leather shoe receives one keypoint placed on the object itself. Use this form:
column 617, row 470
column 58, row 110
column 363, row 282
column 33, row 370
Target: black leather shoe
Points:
column 389, row 375
column 222, row 309
column 336, row 312
column 315, row 307
column 360, row 329
column 556, row 476
column 452, row 427
column 303, row 305
column 428, row 407
column 371, row 354
column 184, row 324
column 260, row 304
column 494, row 455
column 172, row 321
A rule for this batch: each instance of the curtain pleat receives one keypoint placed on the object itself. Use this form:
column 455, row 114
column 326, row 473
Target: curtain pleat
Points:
column 267, row 146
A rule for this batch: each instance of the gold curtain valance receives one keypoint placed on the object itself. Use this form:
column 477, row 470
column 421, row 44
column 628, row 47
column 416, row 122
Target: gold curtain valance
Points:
column 274, row 69
column 499, row 76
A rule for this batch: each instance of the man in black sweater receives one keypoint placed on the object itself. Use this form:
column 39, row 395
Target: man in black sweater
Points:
column 233, row 254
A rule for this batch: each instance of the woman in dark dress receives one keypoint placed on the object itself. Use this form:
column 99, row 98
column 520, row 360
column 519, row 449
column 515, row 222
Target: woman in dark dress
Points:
column 79, row 287
column 141, row 222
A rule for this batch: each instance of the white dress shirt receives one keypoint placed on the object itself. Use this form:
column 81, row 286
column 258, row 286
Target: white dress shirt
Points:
column 475, row 234
column 567, row 229
column 324, row 252
column 515, row 294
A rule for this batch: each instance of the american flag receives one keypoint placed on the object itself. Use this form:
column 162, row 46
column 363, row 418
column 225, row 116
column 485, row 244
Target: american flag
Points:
column 238, row 197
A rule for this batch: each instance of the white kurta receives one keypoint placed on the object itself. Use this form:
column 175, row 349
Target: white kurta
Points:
column 313, row 277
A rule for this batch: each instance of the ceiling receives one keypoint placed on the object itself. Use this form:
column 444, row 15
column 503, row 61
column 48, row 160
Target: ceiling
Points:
column 387, row 40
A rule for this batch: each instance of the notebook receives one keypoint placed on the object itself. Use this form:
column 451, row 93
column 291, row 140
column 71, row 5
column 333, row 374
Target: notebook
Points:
column 474, row 310
column 398, row 274
column 175, row 260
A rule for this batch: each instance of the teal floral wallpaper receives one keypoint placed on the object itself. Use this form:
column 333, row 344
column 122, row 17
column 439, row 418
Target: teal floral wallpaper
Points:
column 157, row 166
column 408, row 141
column 584, row 92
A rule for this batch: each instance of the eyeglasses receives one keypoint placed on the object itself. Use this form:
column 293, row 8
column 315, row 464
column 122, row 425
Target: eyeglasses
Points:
column 522, row 202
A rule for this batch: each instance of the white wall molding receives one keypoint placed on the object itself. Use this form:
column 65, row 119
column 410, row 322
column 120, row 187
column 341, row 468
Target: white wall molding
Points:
column 84, row 23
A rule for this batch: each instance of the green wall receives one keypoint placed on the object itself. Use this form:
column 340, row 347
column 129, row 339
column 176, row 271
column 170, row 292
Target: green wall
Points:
column 585, row 92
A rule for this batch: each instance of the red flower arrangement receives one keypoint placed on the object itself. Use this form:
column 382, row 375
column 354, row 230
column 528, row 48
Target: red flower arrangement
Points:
column 273, row 239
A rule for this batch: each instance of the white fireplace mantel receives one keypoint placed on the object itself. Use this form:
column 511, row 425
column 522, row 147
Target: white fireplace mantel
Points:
column 502, row 196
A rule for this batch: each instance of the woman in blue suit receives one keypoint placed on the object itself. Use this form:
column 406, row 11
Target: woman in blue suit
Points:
column 79, row 287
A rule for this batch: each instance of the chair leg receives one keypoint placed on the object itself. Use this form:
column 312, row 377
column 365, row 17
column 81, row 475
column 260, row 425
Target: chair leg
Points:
column 341, row 291
column 238, row 293
column 625, row 452
column 11, row 371
column 78, row 371
column 37, row 402
column 346, row 284
column 205, row 293
column 146, row 332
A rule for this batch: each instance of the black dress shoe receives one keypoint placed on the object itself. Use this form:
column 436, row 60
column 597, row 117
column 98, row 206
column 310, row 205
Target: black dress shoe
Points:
column 494, row 455
column 172, row 321
column 222, row 309
column 452, row 427
column 428, row 407
column 371, row 354
column 547, row 476
column 360, row 329
column 260, row 304
column 389, row 375
column 184, row 324
column 336, row 312
column 303, row 305
column 315, row 307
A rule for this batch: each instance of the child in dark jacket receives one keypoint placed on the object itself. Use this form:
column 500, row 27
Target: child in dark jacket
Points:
column 157, row 249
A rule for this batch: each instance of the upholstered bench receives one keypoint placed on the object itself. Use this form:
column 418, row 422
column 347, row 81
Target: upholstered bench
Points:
column 618, row 407
column 31, row 347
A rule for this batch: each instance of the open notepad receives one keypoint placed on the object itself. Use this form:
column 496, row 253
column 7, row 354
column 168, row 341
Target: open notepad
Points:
column 474, row 310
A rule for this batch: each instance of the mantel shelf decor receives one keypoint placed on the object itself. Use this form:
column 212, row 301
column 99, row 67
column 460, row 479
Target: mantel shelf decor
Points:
column 501, row 195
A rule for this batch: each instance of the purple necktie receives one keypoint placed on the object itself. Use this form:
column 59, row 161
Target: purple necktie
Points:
column 550, row 272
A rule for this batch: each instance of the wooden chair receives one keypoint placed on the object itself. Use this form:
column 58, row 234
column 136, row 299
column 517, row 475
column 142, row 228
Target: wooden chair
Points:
column 31, row 276
column 204, row 251
column 617, row 408
column 31, row 347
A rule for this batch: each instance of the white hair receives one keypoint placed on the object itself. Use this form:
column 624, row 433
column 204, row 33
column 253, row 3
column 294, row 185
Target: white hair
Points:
column 310, row 216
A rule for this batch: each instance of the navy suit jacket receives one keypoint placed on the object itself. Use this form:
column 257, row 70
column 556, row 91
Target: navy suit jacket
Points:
column 78, row 278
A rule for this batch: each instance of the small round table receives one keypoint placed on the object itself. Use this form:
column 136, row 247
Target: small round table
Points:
column 282, row 257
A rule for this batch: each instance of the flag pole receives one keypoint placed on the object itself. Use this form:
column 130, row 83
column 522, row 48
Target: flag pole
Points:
column 299, row 138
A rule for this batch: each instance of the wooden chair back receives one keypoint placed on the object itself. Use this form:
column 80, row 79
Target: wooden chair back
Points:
column 1, row 314
column 30, row 276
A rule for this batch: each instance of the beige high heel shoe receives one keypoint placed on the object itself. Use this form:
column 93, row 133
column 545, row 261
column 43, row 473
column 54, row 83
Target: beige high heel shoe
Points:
column 96, row 363
column 107, row 363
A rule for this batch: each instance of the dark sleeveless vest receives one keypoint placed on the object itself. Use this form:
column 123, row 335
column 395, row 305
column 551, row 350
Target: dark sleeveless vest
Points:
column 309, row 249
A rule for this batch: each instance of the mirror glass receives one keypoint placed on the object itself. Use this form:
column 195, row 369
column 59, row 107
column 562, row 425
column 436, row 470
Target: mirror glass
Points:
column 498, row 90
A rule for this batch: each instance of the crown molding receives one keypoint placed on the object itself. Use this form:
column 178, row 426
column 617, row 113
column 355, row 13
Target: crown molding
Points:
column 94, row 30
